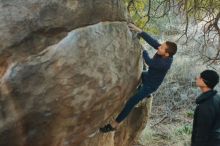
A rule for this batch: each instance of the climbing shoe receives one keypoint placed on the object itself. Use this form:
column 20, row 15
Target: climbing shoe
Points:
column 107, row 128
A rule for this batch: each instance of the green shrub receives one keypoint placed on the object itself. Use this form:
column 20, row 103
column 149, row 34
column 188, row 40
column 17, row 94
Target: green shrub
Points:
column 184, row 130
column 190, row 114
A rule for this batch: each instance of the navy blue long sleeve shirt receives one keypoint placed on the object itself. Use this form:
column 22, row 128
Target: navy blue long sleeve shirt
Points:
column 158, row 65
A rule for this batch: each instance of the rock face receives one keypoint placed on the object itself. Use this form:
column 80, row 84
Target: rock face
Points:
column 65, row 68
column 25, row 19
column 131, row 129
column 129, row 132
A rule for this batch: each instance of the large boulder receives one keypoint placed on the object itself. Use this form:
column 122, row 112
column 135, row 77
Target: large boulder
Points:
column 66, row 67
column 23, row 19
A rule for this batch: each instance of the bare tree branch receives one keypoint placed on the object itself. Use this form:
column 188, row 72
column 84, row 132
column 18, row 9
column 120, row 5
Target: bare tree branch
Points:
column 195, row 11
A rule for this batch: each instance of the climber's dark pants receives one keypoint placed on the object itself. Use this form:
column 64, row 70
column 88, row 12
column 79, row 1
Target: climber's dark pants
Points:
column 144, row 91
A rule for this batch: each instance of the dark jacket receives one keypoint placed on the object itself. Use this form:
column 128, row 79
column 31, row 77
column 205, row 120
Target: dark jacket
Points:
column 158, row 66
column 206, row 123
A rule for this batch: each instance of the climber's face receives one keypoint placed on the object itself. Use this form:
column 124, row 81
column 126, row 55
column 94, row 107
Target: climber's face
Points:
column 162, row 50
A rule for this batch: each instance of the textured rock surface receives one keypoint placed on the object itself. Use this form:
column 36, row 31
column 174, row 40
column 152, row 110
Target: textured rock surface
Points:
column 129, row 132
column 63, row 71
column 20, row 19
column 29, row 26
column 70, row 86
column 134, row 125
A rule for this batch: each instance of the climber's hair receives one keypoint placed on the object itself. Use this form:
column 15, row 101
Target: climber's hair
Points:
column 172, row 48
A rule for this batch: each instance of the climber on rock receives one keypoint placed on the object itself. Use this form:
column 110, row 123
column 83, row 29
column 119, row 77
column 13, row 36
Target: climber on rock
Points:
column 151, row 79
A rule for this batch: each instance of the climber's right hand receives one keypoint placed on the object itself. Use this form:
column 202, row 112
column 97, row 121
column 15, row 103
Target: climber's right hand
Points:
column 132, row 27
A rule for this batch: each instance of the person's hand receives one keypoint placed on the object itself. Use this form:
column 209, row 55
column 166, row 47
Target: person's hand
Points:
column 134, row 28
